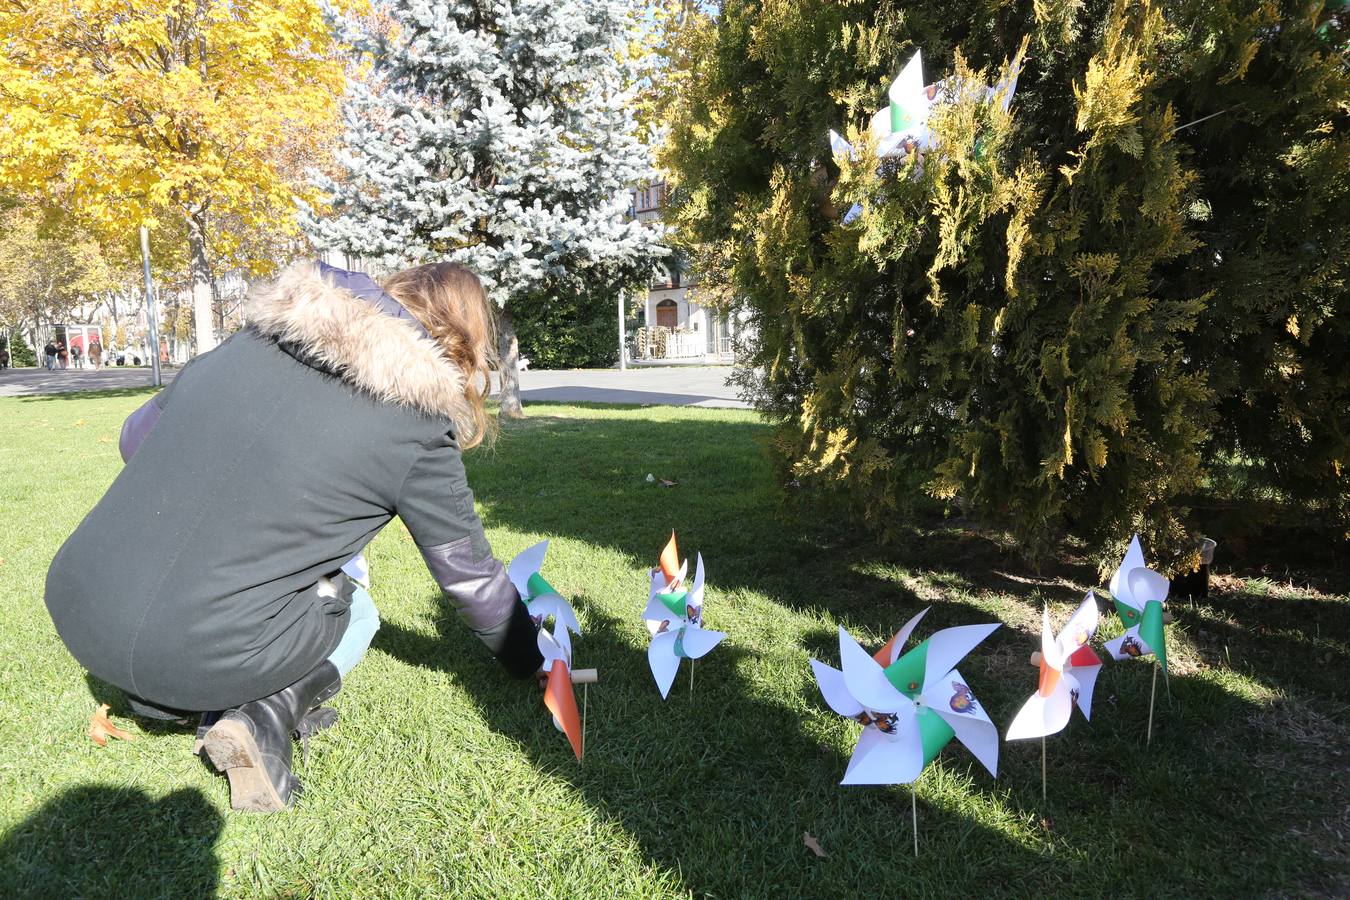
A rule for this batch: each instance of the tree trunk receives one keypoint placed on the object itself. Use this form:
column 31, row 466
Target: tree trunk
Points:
column 509, row 354
column 201, row 283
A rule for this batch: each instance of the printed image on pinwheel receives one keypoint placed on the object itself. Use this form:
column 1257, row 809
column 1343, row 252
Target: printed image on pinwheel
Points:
column 911, row 705
column 1068, row 674
column 545, row 603
column 674, row 617
column 1139, row 593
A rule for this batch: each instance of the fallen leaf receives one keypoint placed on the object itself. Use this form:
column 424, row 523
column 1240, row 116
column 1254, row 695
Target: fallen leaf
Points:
column 105, row 440
column 79, row 423
column 812, row 844
column 665, row 482
column 101, row 728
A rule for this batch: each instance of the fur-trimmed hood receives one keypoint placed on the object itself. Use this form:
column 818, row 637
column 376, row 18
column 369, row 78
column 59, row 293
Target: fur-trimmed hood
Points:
column 368, row 341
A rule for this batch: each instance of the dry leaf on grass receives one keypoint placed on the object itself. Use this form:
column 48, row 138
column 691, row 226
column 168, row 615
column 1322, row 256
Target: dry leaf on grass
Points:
column 666, row 482
column 101, row 728
column 812, row 844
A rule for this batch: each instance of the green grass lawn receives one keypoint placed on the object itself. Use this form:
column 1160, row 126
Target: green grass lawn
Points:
column 443, row 777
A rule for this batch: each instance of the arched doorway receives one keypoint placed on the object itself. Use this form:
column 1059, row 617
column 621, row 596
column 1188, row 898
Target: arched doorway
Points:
column 667, row 314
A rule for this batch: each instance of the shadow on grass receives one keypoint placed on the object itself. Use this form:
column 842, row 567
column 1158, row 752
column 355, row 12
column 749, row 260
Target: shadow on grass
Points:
column 717, row 774
column 738, row 771
column 108, row 841
column 93, row 394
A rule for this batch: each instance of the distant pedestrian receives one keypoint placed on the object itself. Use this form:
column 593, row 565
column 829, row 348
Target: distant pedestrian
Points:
column 62, row 355
column 95, row 353
column 49, row 354
column 4, row 359
column 77, row 356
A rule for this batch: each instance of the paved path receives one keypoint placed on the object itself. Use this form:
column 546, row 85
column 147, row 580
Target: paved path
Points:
column 29, row 382
column 667, row 386
column 674, row 386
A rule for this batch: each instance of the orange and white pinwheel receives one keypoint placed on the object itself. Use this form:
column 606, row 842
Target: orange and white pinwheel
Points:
column 1068, row 673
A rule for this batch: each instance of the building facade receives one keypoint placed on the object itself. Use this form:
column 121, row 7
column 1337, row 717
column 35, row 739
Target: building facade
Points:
column 692, row 333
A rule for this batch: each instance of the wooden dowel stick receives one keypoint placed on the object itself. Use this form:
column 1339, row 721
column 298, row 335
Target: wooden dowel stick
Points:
column 585, row 696
column 1042, row 767
column 691, row 677
column 585, row 676
column 914, row 810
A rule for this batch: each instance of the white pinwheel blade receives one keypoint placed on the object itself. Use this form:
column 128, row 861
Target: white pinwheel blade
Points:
column 696, row 642
column 832, row 687
column 949, row 646
column 358, row 570
column 866, row 680
column 1085, row 673
column 881, row 759
column 1050, row 651
column 695, row 596
column 907, row 93
column 554, row 646
column 1080, row 627
column 1042, row 716
column 658, row 584
column 839, row 146
column 525, row 564
column 555, row 607
column 1120, row 588
column 656, row 613
column 665, row 664
column 1128, row 645
column 1146, row 585
column 897, row 643
column 951, row 698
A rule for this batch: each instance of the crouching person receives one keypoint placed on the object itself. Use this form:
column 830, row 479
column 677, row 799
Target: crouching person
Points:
column 252, row 484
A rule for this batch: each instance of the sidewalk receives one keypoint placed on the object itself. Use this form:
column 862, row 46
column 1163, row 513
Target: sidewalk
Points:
column 704, row 386
column 31, row 382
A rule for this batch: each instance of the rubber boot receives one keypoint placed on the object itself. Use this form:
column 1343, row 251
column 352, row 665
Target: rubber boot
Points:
column 251, row 744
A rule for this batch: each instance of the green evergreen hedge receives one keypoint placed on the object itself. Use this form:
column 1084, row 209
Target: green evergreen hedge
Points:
column 1072, row 314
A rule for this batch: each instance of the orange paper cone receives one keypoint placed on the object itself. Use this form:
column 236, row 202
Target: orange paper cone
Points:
column 670, row 563
column 562, row 702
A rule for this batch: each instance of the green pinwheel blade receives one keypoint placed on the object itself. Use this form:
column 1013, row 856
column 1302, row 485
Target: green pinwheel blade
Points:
column 673, row 601
column 1128, row 614
column 934, row 733
column 900, row 119
column 536, row 585
column 906, row 673
column 1151, row 630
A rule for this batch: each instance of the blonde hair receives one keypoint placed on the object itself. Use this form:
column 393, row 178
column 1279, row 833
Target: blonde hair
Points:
column 452, row 306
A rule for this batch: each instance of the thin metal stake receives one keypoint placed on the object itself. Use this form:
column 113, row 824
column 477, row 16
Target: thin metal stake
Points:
column 691, row 677
column 1151, row 696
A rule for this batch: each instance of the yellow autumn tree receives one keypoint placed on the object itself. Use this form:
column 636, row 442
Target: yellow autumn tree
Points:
column 137, row 111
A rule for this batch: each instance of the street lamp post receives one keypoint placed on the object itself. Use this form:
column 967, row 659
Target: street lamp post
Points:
column 150, row 318
column 623, row 362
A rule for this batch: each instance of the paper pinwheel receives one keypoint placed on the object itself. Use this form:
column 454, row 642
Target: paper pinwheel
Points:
column 544, row 602
column 1069, row 670
column 1139, row 593
column 674, row 616
column 902, row 126
column 910, row 705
